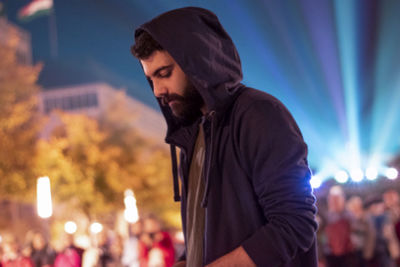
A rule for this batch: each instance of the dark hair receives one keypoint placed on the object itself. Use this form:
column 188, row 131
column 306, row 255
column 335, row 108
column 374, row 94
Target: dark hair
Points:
column 144, row 45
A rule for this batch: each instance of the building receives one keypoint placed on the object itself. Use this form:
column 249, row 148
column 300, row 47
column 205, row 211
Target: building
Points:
column 94, row 99
column 9, row 30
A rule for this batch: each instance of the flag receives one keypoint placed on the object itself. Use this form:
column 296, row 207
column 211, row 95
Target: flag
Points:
column 35, row 8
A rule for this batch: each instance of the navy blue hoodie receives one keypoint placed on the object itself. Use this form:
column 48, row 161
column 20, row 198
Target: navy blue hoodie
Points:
column 257, row 190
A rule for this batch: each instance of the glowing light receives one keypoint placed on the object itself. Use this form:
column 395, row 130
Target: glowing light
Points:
column 391, row 173
column 44, row 205
column 96, row 228
column 315, row 181
column 131, row 213
column 371, row 173
column 356, row 175
column 70, row 227
column 179, row 236
column 341, row 177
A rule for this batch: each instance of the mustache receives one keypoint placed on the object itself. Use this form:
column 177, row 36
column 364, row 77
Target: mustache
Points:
column 165, row 99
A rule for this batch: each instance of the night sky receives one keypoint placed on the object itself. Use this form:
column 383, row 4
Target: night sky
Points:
column 334, row 64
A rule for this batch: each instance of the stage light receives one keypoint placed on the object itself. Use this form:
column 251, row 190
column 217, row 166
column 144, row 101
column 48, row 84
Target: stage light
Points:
column 391, row 173
column 70, row 227
column 96, row 228
column 371, row 173
column 341, row 177
column 315, row 181
column 356, row 175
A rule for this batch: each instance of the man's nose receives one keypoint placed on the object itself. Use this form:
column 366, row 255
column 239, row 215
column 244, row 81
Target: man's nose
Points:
column 159, row 89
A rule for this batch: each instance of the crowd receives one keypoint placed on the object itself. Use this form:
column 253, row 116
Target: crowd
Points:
column 147, row 245
column 359, row 232
column 353, row 232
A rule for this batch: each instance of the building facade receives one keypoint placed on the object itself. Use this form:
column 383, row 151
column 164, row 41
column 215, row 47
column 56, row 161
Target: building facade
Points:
column 94, row 99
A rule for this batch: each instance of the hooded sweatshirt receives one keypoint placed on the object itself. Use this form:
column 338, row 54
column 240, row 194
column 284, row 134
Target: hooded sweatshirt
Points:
column 257, row 190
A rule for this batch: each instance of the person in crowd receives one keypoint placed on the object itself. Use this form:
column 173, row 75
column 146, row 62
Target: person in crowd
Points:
column 70, row 255
column 246, row 197
column 99, row 254
column 26, row 248
column 391, row 199
column 339, row 249
column 43, row 255
column 156, row 247
column 116, row 250
column 386, row 249
column 11, row 256
column 362, row 231
column 130, row 256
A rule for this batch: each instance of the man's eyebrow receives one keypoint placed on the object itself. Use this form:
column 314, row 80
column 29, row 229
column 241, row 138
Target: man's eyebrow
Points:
column 157, row 71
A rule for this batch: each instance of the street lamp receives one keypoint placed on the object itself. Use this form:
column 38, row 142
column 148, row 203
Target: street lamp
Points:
column 43, row 196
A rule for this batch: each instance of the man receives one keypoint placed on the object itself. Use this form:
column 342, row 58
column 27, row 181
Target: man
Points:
column 339, row 250
column 157, row 249
column 245, row 197
column 42, row 254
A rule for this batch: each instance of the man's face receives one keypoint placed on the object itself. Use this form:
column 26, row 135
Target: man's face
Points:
column 38, row 241
column 172, row 87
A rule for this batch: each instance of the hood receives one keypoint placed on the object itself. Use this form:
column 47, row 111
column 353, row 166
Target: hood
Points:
column 199, row 44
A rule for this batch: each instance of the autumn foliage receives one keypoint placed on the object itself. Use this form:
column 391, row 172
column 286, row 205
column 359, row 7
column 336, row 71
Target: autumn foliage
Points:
column 90, row 161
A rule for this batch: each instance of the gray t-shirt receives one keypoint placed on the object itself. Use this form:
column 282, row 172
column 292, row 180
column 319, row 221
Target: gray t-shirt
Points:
column 195, row 214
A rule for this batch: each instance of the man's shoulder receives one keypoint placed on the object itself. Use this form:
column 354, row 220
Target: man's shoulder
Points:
column 249, row 97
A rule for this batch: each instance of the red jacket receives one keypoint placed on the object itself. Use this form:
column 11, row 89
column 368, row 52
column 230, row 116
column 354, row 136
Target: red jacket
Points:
column 19, row 262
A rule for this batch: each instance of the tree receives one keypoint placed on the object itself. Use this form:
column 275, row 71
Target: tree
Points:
column 147, row 165
column 19, row 122
column 92, row 162
column 80, row 166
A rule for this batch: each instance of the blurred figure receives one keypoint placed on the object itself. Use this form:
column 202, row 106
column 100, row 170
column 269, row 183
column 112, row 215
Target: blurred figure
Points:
column 386, row 245
column 339, row 250
column 26, row 248
column 70, row 255
column 116, row 249
column 130, row 256
column 42, row 254
column 392, row 205
column 99, row 254
column 157, row 249
column 11, row 256
column 362, row 231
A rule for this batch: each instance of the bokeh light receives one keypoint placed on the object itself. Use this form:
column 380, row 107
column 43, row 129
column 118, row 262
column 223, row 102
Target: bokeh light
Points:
column 131, row 213
column 96, row 228
column 44, row 205
column 70, row 227
column 391, row 173
column 356, row 175
column 315, row 181
column 371, row 173
column 341, row 177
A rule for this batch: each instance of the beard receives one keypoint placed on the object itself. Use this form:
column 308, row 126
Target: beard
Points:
column 185, row 108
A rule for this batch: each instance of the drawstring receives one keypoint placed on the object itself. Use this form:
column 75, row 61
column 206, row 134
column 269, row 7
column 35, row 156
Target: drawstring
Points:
column 204, row 202
column 177, row 196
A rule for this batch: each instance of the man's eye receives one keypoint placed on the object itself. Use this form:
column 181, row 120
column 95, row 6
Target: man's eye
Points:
column 165, row 74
